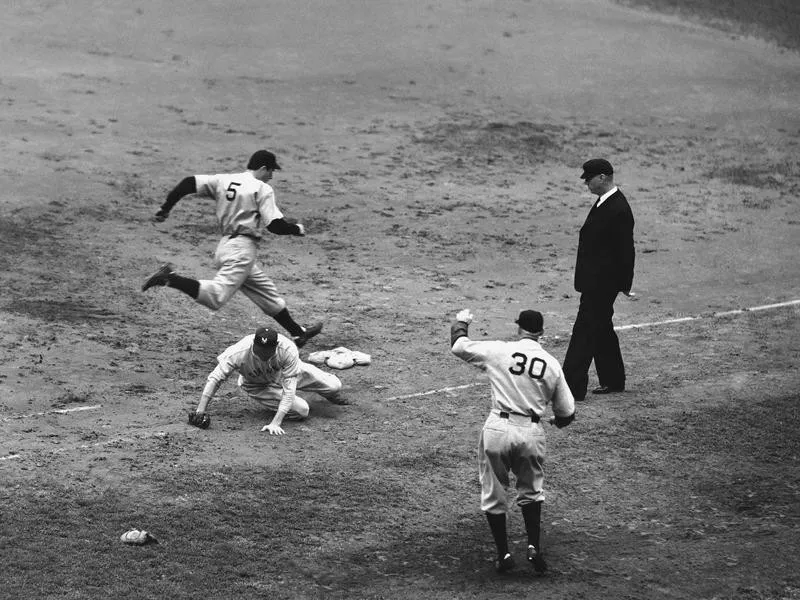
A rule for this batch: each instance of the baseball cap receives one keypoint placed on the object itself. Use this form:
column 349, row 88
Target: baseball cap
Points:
column 596, row 166
column 263, row 158
column 531, row 320
column 265, row 342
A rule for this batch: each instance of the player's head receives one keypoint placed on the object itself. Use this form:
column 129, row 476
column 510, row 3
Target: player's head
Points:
column 265, row 342
column 263, row 163
column 531, row 322
column 598, row 175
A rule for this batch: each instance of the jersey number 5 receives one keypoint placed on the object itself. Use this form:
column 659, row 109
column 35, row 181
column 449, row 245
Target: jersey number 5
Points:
column 535, row 369
column 230, row 194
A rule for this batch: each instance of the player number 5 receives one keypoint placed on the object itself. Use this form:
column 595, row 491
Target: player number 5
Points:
column 536, row 368
column 231, row 193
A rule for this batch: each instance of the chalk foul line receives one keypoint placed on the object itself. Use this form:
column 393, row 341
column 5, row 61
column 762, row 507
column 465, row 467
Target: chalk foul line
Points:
column 55, row 411
column 726, row 313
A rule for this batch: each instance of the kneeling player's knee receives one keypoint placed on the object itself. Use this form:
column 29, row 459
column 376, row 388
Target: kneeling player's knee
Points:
column 300, row 406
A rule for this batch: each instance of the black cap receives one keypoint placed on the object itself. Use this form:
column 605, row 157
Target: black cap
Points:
column 265, row 342
column 531, row 320
column 596, row 166
column 263, row 158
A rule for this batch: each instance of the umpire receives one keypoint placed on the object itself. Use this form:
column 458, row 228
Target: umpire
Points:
column 604, row 267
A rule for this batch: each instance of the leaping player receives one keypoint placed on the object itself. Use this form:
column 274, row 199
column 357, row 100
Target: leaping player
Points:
column 245, row 204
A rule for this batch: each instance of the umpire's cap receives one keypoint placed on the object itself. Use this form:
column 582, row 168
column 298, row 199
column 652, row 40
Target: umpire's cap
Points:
column 531, row 320
column 263, row 158
column 265, row 342
column 596, row 166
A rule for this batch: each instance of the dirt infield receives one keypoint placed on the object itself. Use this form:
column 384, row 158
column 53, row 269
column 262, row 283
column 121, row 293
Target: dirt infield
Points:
column 432, row 150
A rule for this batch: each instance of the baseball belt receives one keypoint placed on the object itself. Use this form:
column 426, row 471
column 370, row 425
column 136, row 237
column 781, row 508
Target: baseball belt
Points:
column 504, row 414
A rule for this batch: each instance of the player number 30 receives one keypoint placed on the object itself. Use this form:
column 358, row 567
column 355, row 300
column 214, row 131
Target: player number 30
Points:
column 535, row 368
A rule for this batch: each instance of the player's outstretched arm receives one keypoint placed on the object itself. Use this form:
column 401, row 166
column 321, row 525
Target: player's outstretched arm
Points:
column 199, row 418
column 287, row 399
column 187, row 186
column 274, row 427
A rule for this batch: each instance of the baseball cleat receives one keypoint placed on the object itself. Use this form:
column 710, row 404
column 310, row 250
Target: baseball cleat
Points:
column 607, row 389
column 293, row 416
column 536, row 559
column 160, row 277
column 337, row 399
column 504, row 564
column 308, row 333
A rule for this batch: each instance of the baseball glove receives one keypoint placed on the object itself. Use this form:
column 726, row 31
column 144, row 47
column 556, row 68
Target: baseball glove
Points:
column 201, row 420
column 138, row 538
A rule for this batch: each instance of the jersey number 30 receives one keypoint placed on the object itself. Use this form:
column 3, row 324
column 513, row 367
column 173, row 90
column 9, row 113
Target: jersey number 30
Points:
column 535, row 369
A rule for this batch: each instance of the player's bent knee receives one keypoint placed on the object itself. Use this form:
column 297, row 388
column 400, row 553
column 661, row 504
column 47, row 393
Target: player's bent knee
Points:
column 300, row 406
column 211, row 298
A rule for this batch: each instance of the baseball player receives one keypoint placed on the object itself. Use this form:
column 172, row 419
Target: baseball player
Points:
column 270, row 372
column 245, row 203
column 523, row 379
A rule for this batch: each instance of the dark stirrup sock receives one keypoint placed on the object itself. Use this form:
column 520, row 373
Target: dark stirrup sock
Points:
column 497, row 523
column 532, row 514
column 185, row 284
column 286, row 321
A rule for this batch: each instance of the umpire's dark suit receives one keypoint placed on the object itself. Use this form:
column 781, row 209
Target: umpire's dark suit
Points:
column 604, row 268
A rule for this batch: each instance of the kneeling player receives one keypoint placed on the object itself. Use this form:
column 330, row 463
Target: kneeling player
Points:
column 270, row 372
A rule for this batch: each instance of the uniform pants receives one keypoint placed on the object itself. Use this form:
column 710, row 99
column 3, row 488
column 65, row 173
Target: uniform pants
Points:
column 516, row 445
column 235, row 262
column 594, row 338
column 311, row 379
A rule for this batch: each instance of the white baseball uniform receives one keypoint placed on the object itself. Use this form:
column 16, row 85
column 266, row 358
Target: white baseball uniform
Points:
column 524, row 378
column 274, row 382
column 244, row 206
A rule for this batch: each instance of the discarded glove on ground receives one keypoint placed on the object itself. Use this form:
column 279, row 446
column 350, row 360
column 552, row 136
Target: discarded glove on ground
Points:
column 339, row 358
column 138, row 538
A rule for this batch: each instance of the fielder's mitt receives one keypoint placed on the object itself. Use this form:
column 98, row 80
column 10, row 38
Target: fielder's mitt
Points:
column 201, row 420
column 138, row 538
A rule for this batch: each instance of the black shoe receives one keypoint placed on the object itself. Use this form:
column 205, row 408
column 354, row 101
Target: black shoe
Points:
column 537, row 560
column 504, row 564
column 308, row 333
column 160, row 277
column 605, row 389
column 338, row 399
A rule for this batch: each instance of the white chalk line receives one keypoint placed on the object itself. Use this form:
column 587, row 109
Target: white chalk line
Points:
column 58, row 411
column 726, row 313
column 430, row 392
